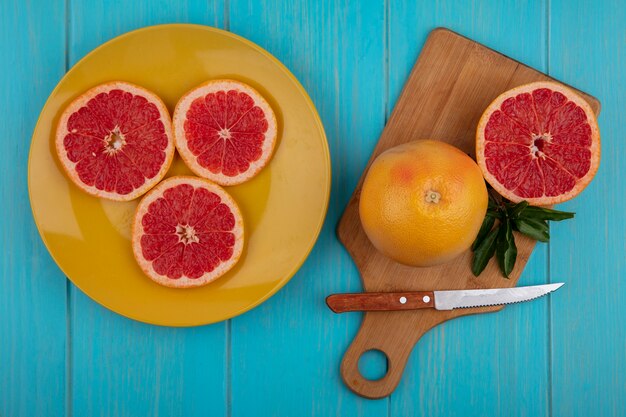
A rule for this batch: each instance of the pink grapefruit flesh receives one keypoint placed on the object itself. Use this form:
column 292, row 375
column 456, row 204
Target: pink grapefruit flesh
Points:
column 187, row 232
column 225, row 131
column 539, row 142
column 115, row 141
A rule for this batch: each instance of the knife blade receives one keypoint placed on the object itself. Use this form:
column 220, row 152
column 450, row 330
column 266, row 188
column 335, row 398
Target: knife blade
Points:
column 439, row 300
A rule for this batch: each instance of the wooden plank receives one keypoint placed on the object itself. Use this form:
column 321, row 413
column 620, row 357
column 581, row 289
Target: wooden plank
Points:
column 492, row 364
column 588, row 49
column 286, row 353
column 121, row 367
column 32, row 289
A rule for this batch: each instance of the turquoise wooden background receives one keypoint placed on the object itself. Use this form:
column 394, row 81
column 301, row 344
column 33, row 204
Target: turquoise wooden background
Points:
column 61, row 354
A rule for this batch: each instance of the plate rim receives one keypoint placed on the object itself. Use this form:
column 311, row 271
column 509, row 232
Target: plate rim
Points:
column 325, row 147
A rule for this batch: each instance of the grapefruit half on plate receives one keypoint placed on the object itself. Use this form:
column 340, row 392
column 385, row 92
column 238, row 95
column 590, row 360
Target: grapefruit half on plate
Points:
column 539, row 142
column 225, row 131
column 187, row 232
column 115, row 141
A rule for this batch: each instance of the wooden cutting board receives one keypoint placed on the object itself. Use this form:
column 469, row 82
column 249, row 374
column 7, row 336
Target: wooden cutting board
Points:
column 452, row 82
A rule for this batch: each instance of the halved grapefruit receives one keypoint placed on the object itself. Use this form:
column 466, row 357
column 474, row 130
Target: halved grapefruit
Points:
column 187, row 232
column 115, row 140
column 225, row 131
column 539, row 142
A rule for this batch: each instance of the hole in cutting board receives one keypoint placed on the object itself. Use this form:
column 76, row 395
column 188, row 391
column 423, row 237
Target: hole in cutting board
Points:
column 373, row 364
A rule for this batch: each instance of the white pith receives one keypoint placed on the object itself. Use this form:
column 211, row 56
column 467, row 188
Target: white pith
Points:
column 115, row 141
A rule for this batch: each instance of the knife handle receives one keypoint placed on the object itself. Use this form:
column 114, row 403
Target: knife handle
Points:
column 381, row 301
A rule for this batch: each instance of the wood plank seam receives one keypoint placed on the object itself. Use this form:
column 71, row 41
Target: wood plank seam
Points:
column 68, row 285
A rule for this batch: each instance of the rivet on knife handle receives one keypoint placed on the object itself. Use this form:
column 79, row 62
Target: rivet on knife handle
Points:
column 380, row 301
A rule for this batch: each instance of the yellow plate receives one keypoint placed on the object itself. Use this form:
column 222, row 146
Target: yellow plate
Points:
column 283, row 207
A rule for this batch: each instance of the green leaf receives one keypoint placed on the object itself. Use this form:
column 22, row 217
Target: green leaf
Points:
column 515, row 211
column 486, row 227
column 541, row 213
column 484, row 252
column 506, row 251
column 536, row 229
column 496, row 214
column 497, row 238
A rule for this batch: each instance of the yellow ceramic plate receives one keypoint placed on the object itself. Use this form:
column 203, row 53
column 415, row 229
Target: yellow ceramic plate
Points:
column 283, row 207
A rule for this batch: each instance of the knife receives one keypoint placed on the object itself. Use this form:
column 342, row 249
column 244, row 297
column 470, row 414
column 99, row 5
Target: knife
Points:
column 439, row 300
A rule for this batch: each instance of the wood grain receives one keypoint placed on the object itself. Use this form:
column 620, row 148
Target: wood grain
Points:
column 380, row 301
column 286, row 353
column 120, row 367
column 589, row 338
column 491, row 364
column 554, row 356
column 32, row 289
column 453, row 80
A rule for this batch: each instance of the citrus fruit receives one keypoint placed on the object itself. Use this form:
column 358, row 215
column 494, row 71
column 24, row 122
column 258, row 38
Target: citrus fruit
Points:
column 423, row 202
column 225, row 131
column 539, row 142
column 115, row 141
column 187, row 232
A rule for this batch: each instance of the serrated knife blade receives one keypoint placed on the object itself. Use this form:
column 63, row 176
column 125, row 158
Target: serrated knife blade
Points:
column 440, row 300
column 448, row 300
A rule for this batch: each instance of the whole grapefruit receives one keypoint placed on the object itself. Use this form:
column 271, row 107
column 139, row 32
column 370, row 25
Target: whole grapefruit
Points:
column 423, row 202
